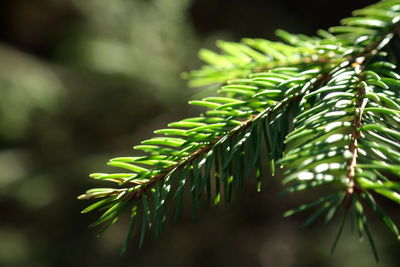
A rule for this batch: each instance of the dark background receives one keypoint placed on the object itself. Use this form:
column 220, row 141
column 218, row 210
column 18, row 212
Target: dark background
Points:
column 82, row 81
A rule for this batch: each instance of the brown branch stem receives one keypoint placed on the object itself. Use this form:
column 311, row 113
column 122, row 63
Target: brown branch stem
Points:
column 356, row 134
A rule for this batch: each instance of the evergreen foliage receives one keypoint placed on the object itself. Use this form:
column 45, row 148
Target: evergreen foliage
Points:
column 325, row 108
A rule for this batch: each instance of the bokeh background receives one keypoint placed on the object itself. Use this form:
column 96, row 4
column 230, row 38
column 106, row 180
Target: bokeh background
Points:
column 82, row 81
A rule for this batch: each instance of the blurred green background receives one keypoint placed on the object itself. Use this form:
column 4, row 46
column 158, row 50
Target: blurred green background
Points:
column 82, row 81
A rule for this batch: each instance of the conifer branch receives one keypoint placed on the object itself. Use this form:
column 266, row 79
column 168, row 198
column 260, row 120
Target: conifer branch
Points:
column 326, row 109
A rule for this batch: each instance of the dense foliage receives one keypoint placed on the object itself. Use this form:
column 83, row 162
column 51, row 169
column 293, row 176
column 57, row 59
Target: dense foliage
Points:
column 325, row 108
